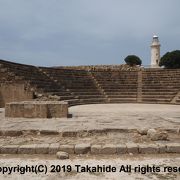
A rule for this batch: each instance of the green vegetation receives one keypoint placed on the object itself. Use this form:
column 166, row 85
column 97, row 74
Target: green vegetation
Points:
column 133, row 60
column 171, row 60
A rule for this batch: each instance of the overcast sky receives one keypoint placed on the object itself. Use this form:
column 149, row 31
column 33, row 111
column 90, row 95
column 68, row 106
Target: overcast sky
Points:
column 86, row 32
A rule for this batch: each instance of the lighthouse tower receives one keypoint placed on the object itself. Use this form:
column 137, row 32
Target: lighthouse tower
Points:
column 155, row 52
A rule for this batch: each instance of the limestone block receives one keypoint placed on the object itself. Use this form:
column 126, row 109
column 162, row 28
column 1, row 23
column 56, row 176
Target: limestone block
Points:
column 14, row 110
column 162, row 148
column 109, row 149
column 54, row 148
column 121, row 148
column 67, row 148
column 62, row 155
column 148, row 148
column 173, row 148
column 12, row 133
column 27, row 149
column 82, row 148
column 57, row 110
column 37, row 109
column 96, row 149
column 9, row 149
column 49, row 132
column 132, row 148
column 42, row 148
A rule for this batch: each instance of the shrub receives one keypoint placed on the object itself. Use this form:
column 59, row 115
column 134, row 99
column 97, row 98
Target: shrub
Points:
column 171, row 60
column 133, row 60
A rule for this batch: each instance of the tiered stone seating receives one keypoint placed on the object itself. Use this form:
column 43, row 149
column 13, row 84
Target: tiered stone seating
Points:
column 118, row 86
column 160, row 85
column 30, row 74
column 79, row 82
column 96, row 85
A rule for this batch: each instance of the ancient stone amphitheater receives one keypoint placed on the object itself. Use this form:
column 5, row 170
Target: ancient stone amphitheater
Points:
column 114, row 109
column 88, row 84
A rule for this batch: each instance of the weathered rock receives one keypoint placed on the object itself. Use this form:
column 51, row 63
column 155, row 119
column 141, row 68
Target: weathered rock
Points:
column 109, row 149
column 54, row 148
column 142, row 131
column 121, row 149
column 62, row 155
column 82, row 148
column 132, row 148
column 96, row 149
column 173, row 148
column 42, row 149
column 27, row 149
column 155, row 135
column 148, row 149
column 9, row 149
column 67, row 148
column 162, row 148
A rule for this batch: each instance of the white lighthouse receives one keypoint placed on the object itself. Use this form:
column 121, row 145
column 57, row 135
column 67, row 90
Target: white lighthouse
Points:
column 155, row 52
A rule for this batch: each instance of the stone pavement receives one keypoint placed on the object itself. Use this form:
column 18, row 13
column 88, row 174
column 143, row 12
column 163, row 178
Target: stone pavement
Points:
column 102, row 116
column 95, row 129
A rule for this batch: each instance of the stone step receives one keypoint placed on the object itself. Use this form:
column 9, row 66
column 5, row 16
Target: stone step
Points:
column 59, row 93
column 122, row 100
column 123, row 96
column 156, row 96
column 87, row 93
column 120, row 90
column 152, row 86
column 93, row 100
column 160, row 90
column 90, row 96
column 66, row 97
column 156, row 100
column 80, row 89
column 121, row 93
column 159, row 93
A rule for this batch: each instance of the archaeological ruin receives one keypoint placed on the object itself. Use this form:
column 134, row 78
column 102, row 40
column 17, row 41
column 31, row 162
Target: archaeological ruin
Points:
column 88, row 84
column 105, row 109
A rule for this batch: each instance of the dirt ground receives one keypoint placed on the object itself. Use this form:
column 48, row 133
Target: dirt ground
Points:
column 71, row 172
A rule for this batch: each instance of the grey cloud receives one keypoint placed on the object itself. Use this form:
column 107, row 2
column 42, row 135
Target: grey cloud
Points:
column 73, row 32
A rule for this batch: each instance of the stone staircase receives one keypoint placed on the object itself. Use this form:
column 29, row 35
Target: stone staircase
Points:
column 38, row 82
column 82, row 86
column 119, row 86
column 160, row 86
column 79, row 83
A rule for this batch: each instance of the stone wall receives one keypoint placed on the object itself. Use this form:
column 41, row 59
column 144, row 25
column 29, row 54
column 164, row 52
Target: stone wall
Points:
column 10, row 92
column 37, row 109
